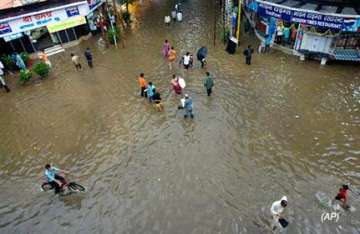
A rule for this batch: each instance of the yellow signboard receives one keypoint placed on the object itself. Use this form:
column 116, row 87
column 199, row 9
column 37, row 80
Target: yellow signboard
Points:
column 69, row 23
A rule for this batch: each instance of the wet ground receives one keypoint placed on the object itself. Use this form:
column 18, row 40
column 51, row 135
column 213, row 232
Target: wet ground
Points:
column 277, row 127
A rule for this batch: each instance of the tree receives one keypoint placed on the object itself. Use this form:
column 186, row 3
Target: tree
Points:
column 126, row 15
column 126, row 2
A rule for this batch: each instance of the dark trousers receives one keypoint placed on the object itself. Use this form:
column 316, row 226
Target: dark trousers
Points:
column 188, row 112
column 55, row 185
column 5, row 87
column 78, row 66
column 267, row 49
column 90, row 63
column 202, row 64
column 209, row 91
column 248, row 60
column 142, row 92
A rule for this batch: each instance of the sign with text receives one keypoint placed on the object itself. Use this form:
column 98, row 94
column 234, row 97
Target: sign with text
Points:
column 30, row 22
column 69, row 23
column 13, row 37
column 93, row 4
column 273, row 11
column 72, row 11
column 319, row 20
column 302, row 16
column 5, row 28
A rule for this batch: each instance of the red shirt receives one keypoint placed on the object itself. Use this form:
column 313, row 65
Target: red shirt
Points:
column 342, row 194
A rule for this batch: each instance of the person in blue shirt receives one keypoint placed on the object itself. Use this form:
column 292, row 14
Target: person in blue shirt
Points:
column 188, row 106
column 53, row 178
column 150, row 91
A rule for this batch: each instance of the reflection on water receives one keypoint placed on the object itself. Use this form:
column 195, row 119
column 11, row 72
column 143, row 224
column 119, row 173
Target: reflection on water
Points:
column 279, row 126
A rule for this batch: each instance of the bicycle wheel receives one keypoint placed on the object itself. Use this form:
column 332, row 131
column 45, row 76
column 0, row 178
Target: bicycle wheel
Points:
column 46, row 187
column 76, row 187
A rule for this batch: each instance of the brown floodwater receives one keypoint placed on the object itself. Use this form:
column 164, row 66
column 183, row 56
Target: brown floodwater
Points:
column 277, row 127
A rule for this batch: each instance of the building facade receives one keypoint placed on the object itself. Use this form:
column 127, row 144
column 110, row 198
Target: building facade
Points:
column 45, row 24
column 323, row 31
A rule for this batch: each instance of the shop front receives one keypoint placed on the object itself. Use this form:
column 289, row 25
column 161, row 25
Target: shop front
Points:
column 96, row 12
column 40, row 30
column 306, row 31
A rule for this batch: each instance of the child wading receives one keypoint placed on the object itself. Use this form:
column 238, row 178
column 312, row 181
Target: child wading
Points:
column 76, row 61
column 157, row 100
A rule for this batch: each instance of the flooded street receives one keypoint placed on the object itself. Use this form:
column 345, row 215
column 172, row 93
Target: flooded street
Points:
column 277, row 127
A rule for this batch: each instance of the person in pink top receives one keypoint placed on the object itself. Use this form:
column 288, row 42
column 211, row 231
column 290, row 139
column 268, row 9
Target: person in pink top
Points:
column 165, row 49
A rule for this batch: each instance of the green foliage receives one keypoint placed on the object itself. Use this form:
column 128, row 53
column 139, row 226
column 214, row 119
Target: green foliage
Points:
column 113, row 32
column 25, row 57
column 126, row 15
column 42, row 69
column 25, row 75
column 8, row 62
column 127, row 2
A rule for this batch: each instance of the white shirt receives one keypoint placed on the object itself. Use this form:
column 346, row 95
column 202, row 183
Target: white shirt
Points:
column 276, row 208
column 2, row 81
column 75, row 59
column 1, row 65
column 187, row 59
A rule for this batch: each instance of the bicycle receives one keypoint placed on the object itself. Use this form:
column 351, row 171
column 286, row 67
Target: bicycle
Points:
column 71, row 187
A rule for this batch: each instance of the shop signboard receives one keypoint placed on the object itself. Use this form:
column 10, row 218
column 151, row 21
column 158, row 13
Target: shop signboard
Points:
column 12, row 4
column 13, row 37
column 69, row 23
column 72, row 11
column 42, row 19
column 93, row 4
column 318, row 20
column 5, row 28
column 301, row 16
column 267, row 10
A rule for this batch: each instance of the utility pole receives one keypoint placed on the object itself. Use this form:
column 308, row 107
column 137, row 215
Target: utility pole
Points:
column 223, row 17
column 215, row 18
column 112, row 26
column 238, row 23
column 115, row 8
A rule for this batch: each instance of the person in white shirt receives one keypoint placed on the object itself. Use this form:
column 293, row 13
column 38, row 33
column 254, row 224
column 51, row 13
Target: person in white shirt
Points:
column 277, row 209
column 279, row 34
column 187, row 60
column 179, row 16
column 2, row 80
column 76, row 61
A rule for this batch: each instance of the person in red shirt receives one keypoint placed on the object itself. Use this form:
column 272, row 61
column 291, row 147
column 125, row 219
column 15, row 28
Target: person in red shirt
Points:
column 175, row 85
column 343, row 196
